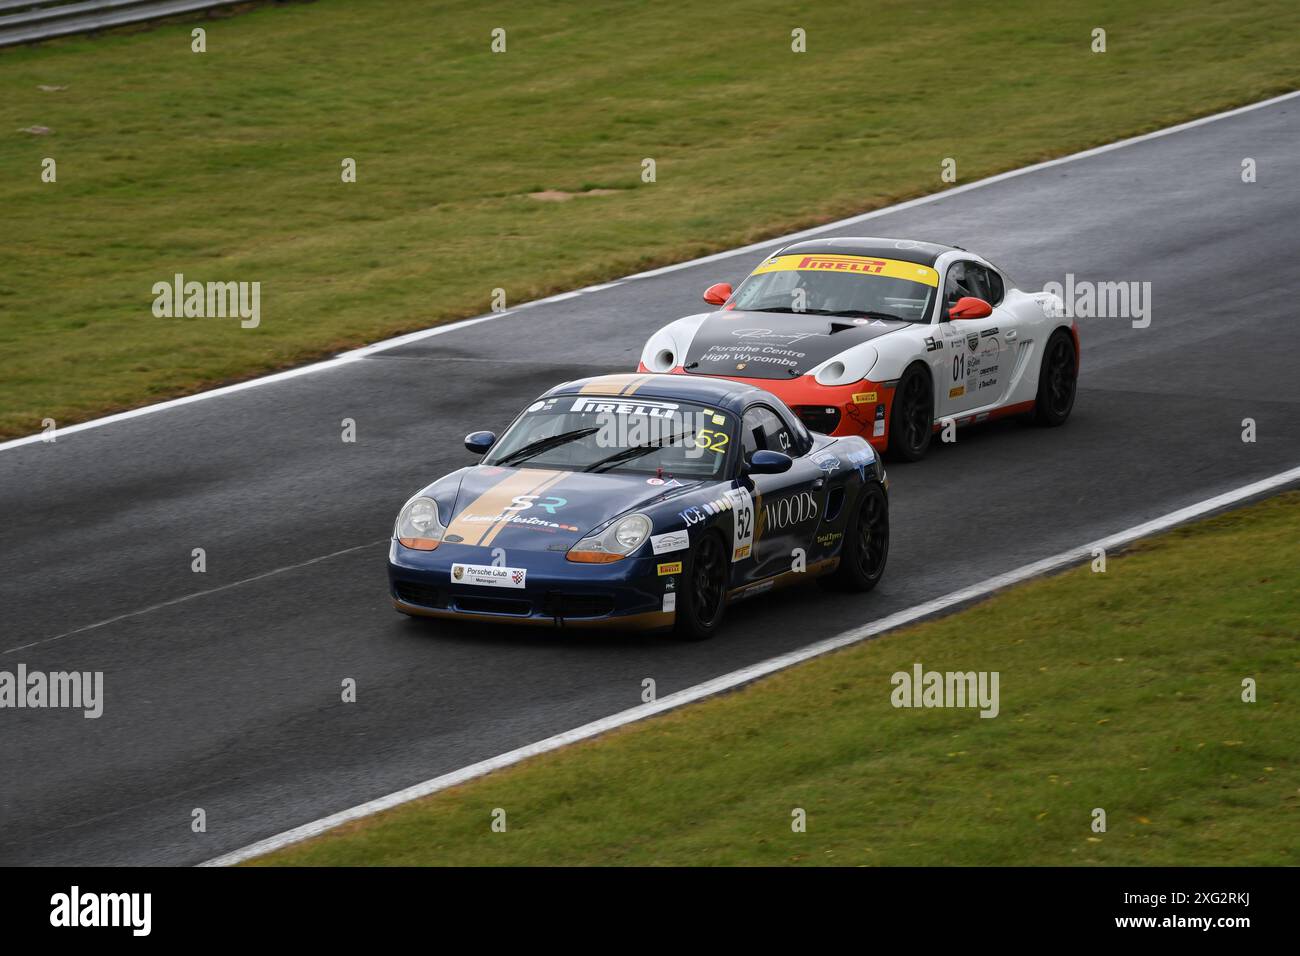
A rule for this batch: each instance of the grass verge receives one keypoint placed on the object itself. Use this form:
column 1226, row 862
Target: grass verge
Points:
column 1120, row 690
column 225, row 165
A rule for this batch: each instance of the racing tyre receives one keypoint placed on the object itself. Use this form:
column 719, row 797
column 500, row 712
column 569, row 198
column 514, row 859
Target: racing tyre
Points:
column 702, row 599
column 866, row 543
column 1057, row 379
column 911, row 420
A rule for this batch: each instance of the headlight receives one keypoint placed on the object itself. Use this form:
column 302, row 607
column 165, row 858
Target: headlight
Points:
column 614, row 543
column 418, row 526
column 660, row 353
column 850, row 366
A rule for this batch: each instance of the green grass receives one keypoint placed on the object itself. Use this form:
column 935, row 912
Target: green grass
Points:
column 1119, row 690
column 225, row 165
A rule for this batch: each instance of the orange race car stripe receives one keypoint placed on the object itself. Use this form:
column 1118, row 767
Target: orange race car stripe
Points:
column 493, row 503
column 495, row 529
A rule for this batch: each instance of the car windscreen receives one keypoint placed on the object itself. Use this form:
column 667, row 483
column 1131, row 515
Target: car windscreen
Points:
column 601, row 433
column 858, row 286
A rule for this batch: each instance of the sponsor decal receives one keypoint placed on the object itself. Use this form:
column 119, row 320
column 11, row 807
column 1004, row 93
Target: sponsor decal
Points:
column 852, row 265
column 516, row 520
column 605, row 405
column 672, row 567
column 972, row 341
column 670, row 541
column 932, row 344
column 863, row 398
column 842, row 264
column 860, row 459
column 758, row 588
column 826, row 462
column 719, row 420
column 790, row 510
column 768, row 335
column 987, row 332
column 670, row 601
column 488, row 576
column 550, row 503
column 742, row 526
column 957, row 392
column 829, row 538
column 654, row 481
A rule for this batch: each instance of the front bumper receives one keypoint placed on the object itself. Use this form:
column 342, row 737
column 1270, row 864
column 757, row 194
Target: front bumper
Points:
column 556, row 593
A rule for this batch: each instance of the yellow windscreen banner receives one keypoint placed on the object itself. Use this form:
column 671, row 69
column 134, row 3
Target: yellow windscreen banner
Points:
column 852, row 265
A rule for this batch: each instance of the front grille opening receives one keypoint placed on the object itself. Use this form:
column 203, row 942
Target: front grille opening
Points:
column 578, row 605
column 819, row 418
column 494, row 605
column 425, row 595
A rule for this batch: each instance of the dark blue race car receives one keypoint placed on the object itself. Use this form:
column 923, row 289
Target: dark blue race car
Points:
column 646, row 501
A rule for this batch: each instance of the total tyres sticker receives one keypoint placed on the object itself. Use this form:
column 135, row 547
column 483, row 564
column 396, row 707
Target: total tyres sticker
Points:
column 742, row 534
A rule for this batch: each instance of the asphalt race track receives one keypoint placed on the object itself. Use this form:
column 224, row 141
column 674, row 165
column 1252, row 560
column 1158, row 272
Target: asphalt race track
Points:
column 230, row 701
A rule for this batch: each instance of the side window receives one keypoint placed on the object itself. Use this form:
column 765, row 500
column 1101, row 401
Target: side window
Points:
column 977, row 280
column 765, row 430
column 996, row 288
column 751, row 433
column 971, row 278
column 956, row 285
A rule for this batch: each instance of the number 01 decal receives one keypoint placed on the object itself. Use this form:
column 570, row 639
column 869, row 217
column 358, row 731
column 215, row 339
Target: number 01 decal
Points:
column 742, row 513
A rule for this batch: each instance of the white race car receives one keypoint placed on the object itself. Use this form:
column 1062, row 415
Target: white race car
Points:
column 854, row 336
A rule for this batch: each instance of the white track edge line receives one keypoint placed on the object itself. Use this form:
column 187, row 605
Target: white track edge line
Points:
column 385, row 344
column 748, row 674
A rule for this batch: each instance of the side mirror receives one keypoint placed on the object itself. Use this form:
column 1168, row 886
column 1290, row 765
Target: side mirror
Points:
column 969, row 307
column 766, row 462
column 717, row 294
column 480, row 442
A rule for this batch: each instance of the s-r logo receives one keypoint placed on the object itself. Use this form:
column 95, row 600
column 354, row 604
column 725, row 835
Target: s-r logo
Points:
column 550, row 504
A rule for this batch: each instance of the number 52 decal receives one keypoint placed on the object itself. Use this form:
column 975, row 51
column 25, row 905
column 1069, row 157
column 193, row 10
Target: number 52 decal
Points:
column 742, row 513
column 712, row 440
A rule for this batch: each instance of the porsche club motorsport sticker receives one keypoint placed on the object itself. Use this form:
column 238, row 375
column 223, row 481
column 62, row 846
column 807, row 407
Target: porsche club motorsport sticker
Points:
column 488, row 576
column 670, row 541
column 742, row 534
